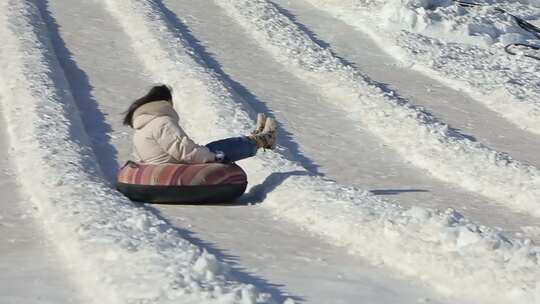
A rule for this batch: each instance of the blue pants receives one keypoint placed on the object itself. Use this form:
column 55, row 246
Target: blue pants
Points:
column 234, row 148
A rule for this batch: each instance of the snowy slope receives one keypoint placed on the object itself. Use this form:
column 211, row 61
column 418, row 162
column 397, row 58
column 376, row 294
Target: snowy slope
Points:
column 463, row 47
column 382, row 169
column 452, row 106
column 334, row 209
column 236, row 234
column 31, row 270
column 418, row 136
column 128, row 253
column 124, row 253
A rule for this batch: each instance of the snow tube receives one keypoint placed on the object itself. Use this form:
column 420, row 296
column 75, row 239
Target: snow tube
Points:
column 182, row 183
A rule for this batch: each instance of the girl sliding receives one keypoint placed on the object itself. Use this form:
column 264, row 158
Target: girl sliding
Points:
column 158, row 138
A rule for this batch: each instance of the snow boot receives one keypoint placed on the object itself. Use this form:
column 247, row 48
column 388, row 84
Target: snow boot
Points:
column 266, row 139
column 261, row 119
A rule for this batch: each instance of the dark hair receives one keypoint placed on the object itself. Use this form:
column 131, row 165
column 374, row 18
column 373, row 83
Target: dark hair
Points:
column 156, row 93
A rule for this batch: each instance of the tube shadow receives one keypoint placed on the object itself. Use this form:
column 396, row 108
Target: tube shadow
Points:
column 257, row 194
column 402, row 101
column 236, row 271
column 206, row 59
column 93, row 119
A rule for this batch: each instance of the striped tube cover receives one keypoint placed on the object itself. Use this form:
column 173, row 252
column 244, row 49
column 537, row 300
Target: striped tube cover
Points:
column 181, row 174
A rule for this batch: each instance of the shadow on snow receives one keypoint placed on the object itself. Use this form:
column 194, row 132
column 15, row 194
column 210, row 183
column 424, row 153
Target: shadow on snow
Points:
column 93, row 119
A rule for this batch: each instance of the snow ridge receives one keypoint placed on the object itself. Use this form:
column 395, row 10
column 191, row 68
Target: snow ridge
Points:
column 443, row 249
column 125, row 253
column 461, row 47
column 416, row 135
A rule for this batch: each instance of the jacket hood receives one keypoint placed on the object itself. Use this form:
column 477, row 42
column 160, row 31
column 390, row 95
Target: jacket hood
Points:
column 152, row 110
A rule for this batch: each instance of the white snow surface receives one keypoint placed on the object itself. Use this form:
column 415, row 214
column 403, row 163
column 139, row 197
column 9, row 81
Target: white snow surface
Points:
column 441, row 248
column 261, row 249
column 125, row 253
column 418, row 136
column 31, row 271
column 381, row 166
column 462, row 47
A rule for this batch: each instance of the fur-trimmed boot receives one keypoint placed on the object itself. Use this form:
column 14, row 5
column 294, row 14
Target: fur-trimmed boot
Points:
column 261, row 119
column 266, row 139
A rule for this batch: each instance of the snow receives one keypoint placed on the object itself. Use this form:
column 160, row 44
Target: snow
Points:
column 418, row 136
column 319, row 205
column 127, row 253
column 31, row 271
column 124, row 252
column 383, row 171
column 462, row 47
column 289, row 262
column 275, row 257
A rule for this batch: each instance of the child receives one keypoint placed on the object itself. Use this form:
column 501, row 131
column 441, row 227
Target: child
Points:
column 159, row 139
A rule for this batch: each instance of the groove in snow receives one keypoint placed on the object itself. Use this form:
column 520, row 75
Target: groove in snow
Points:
column 443, row 249
column 417, row 136
column 126, row 253
column 463, row 48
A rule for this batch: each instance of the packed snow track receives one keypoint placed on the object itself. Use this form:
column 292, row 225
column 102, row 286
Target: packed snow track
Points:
column 389, row 183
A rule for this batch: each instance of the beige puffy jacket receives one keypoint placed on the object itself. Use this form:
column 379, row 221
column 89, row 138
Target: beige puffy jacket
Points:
column 159, row 139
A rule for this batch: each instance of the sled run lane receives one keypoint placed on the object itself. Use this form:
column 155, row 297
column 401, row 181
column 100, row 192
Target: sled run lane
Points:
column 464, row 47
column 418, row 136
column 132, row 253
column 452, row 106
column 351, row 156
column 31, row 269
column 291, row 192
column 276, row 257
column 117, row 252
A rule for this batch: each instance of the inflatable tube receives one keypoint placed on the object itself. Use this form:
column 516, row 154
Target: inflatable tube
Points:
column 182, row 183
